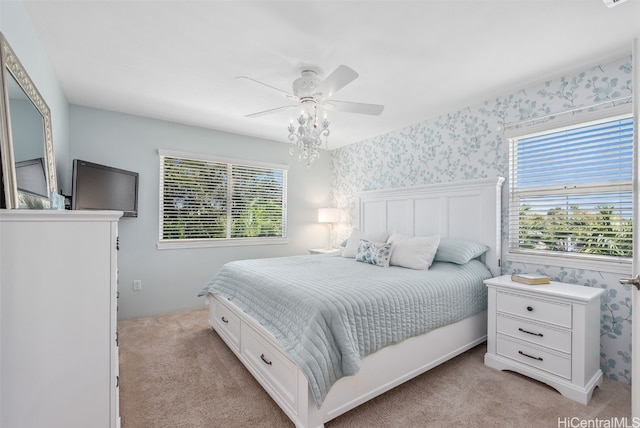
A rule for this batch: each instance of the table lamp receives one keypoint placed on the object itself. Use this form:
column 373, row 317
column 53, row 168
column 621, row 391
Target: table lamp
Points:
column 329, row 216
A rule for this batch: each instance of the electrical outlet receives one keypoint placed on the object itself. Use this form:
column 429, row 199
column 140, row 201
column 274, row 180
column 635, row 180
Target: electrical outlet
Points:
column 137, row 285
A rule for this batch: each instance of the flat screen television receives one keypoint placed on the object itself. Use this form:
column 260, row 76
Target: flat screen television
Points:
column 31, row 177
column 101, row 187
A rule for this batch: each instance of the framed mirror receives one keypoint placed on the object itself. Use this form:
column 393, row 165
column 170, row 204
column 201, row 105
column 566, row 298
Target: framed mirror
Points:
column 26, row 146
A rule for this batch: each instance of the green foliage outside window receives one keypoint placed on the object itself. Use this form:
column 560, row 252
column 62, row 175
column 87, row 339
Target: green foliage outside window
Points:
column 600, row 232
column 203, row 199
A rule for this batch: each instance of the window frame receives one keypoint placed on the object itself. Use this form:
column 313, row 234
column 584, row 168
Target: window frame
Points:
column 592, row 262
column 218, row 242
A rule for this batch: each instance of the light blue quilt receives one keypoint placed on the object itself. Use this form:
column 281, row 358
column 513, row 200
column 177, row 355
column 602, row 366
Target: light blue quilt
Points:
column 330, row 312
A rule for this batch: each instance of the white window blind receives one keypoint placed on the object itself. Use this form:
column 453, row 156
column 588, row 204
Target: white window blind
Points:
column 571, row 190
column 210, row 199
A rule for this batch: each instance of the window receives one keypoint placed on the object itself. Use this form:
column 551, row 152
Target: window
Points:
column 571, row 192
column 208, row 201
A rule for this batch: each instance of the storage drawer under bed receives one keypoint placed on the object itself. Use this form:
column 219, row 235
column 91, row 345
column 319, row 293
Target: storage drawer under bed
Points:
column 270, row 365
column 265, row 360
column 226, row 323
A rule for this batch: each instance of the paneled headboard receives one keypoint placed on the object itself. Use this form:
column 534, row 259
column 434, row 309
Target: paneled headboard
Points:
column 464, row 209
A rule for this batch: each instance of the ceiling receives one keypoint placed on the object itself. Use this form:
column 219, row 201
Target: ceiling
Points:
column 178, row 60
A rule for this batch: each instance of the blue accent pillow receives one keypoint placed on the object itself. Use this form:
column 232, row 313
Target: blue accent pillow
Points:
column 374, row 253
column 459, row 251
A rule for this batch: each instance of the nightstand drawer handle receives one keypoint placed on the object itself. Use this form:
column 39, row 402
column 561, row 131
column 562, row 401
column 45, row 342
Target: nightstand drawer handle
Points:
column 529, row 308
column 224, row 320
column 530, row 356
column 530, row 332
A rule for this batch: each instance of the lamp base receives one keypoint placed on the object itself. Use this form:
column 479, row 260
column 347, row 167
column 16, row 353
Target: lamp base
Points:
column 329, row 238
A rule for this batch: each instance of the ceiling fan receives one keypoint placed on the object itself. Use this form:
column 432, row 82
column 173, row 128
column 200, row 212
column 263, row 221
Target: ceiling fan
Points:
column 310, row 92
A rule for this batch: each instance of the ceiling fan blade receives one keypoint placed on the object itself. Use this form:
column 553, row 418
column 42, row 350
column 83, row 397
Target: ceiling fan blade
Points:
column 349, row 107
column 285, row 93
column 337, row 80
column 273, row 110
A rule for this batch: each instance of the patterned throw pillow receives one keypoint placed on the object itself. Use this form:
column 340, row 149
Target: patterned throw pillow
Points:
column 375, row 253
column 351, row 247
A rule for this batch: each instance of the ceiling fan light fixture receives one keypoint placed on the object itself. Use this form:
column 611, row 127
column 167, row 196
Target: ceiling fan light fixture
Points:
column 307, row 136
column 310, row 93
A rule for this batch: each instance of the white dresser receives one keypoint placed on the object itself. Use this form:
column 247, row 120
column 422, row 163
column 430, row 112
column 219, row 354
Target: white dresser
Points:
column 58, row 290
column 548, row 332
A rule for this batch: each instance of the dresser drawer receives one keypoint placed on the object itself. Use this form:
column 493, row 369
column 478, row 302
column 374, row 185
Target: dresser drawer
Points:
column 270, row 366
column 226, row 323
column 558, row 339
column 557, row 364
column 534, row 309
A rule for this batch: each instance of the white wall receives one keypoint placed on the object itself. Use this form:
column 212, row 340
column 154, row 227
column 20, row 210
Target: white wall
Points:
column 172, row 278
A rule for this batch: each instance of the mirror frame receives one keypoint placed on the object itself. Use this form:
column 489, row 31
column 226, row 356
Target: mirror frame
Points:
column 11, row 67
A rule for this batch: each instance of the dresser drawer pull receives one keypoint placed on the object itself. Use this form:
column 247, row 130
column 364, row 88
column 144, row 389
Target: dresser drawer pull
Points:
column 529, row 308
column 224, row 320
column 527, row 355
column 263, row 358
column 530, row 332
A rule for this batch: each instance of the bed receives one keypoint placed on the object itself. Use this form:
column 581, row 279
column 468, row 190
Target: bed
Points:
column 319, row 357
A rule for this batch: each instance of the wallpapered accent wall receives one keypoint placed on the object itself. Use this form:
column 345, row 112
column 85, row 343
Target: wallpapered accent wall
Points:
column 469, row 144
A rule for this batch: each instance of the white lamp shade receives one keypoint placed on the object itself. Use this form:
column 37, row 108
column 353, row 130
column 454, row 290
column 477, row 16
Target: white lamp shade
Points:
column 329, row 215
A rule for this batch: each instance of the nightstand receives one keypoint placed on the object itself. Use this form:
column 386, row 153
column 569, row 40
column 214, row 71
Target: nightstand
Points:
column 332, row 251
column 548, row 332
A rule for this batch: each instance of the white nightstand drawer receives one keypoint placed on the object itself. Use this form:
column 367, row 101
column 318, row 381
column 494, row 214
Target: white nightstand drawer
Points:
column 557, row 339
column 535, row 309
column 557, row 364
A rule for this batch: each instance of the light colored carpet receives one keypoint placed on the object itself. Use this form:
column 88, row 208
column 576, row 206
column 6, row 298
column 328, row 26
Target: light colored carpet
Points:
column 175, row 372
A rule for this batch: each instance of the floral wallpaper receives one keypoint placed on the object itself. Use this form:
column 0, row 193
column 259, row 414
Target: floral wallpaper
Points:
column 469, row 144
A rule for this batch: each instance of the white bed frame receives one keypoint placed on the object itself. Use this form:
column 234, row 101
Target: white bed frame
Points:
column 468, row 210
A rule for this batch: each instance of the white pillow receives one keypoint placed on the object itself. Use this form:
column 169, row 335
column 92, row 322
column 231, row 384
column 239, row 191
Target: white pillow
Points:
column 356, row 235
column 413, row 253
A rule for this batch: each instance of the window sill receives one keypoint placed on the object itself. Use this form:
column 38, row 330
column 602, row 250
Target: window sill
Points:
column 210, row 243
column 598, row 264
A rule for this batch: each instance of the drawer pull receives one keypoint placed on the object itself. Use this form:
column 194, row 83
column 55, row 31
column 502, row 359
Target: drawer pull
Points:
column 530, row 356
column 530, row 332
column 267, row 362
column 224, row 320
column 529, row 308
